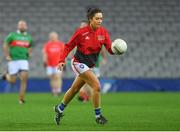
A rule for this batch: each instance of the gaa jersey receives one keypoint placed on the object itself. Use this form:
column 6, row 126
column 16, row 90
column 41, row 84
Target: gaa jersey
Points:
column 18, row 45
column 89, row 44
column 53, row 51
column 99, row 59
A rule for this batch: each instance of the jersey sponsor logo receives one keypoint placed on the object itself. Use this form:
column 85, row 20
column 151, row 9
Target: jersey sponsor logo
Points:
column 20, row 43
column 54, row 50
column 100, row 37
column 23, row 38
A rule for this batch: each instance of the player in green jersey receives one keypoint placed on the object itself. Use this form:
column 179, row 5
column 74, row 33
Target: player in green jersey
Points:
column 17, row 50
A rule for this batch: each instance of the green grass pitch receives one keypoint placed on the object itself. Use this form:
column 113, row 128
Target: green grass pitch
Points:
column 124, row 111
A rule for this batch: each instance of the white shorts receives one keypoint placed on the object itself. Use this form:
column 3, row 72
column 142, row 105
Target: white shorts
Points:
column 52, row 70
column 16, row 66
column 79, row 68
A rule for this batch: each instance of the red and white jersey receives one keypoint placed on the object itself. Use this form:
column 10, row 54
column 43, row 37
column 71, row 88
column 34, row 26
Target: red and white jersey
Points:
column 89, row 44
column 53, row 51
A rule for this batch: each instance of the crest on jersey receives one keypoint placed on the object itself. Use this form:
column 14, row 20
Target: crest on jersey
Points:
column 81, row 66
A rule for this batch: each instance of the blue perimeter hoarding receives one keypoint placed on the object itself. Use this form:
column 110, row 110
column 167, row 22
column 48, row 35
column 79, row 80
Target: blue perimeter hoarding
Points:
column 108, row 85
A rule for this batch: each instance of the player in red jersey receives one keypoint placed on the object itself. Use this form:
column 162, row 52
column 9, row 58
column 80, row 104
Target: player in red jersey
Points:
column 85, row 92
column 52, row 50
column 89, row 41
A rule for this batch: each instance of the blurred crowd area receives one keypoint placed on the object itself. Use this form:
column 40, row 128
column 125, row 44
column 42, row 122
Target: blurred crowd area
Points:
column 151, row 29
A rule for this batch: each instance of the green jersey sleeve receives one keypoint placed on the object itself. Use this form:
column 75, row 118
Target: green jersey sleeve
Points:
column 8, row 39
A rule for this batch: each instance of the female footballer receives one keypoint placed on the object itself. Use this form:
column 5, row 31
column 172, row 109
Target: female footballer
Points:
column 89, row 41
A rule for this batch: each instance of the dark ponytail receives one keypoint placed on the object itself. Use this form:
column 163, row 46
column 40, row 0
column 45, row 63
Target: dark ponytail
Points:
column 92, row 11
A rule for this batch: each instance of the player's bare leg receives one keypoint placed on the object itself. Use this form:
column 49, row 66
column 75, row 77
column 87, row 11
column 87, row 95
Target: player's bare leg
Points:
column 23, row 84
column 88, row 90
column 11, row 78
column 85, row 93
column 77, row 84
column 56, row 84
column 59, row 83
column 87, row 77
column 90, row 78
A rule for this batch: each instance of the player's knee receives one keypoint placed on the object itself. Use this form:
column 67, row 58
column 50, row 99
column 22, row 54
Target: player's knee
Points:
column 12, row 80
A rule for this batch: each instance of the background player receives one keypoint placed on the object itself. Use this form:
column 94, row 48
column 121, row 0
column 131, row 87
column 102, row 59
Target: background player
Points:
column 17, row 50
column 51, row 52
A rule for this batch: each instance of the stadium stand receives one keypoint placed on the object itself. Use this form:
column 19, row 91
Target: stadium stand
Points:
column 150, row 27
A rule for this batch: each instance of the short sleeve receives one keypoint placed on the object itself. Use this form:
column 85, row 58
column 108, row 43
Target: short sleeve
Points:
column 9, row 39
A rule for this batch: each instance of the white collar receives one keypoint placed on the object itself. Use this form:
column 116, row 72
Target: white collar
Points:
column 24, row 33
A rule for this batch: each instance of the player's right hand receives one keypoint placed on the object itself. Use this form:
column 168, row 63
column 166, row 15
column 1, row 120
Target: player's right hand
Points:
column 60, row 66
column 8, row 58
